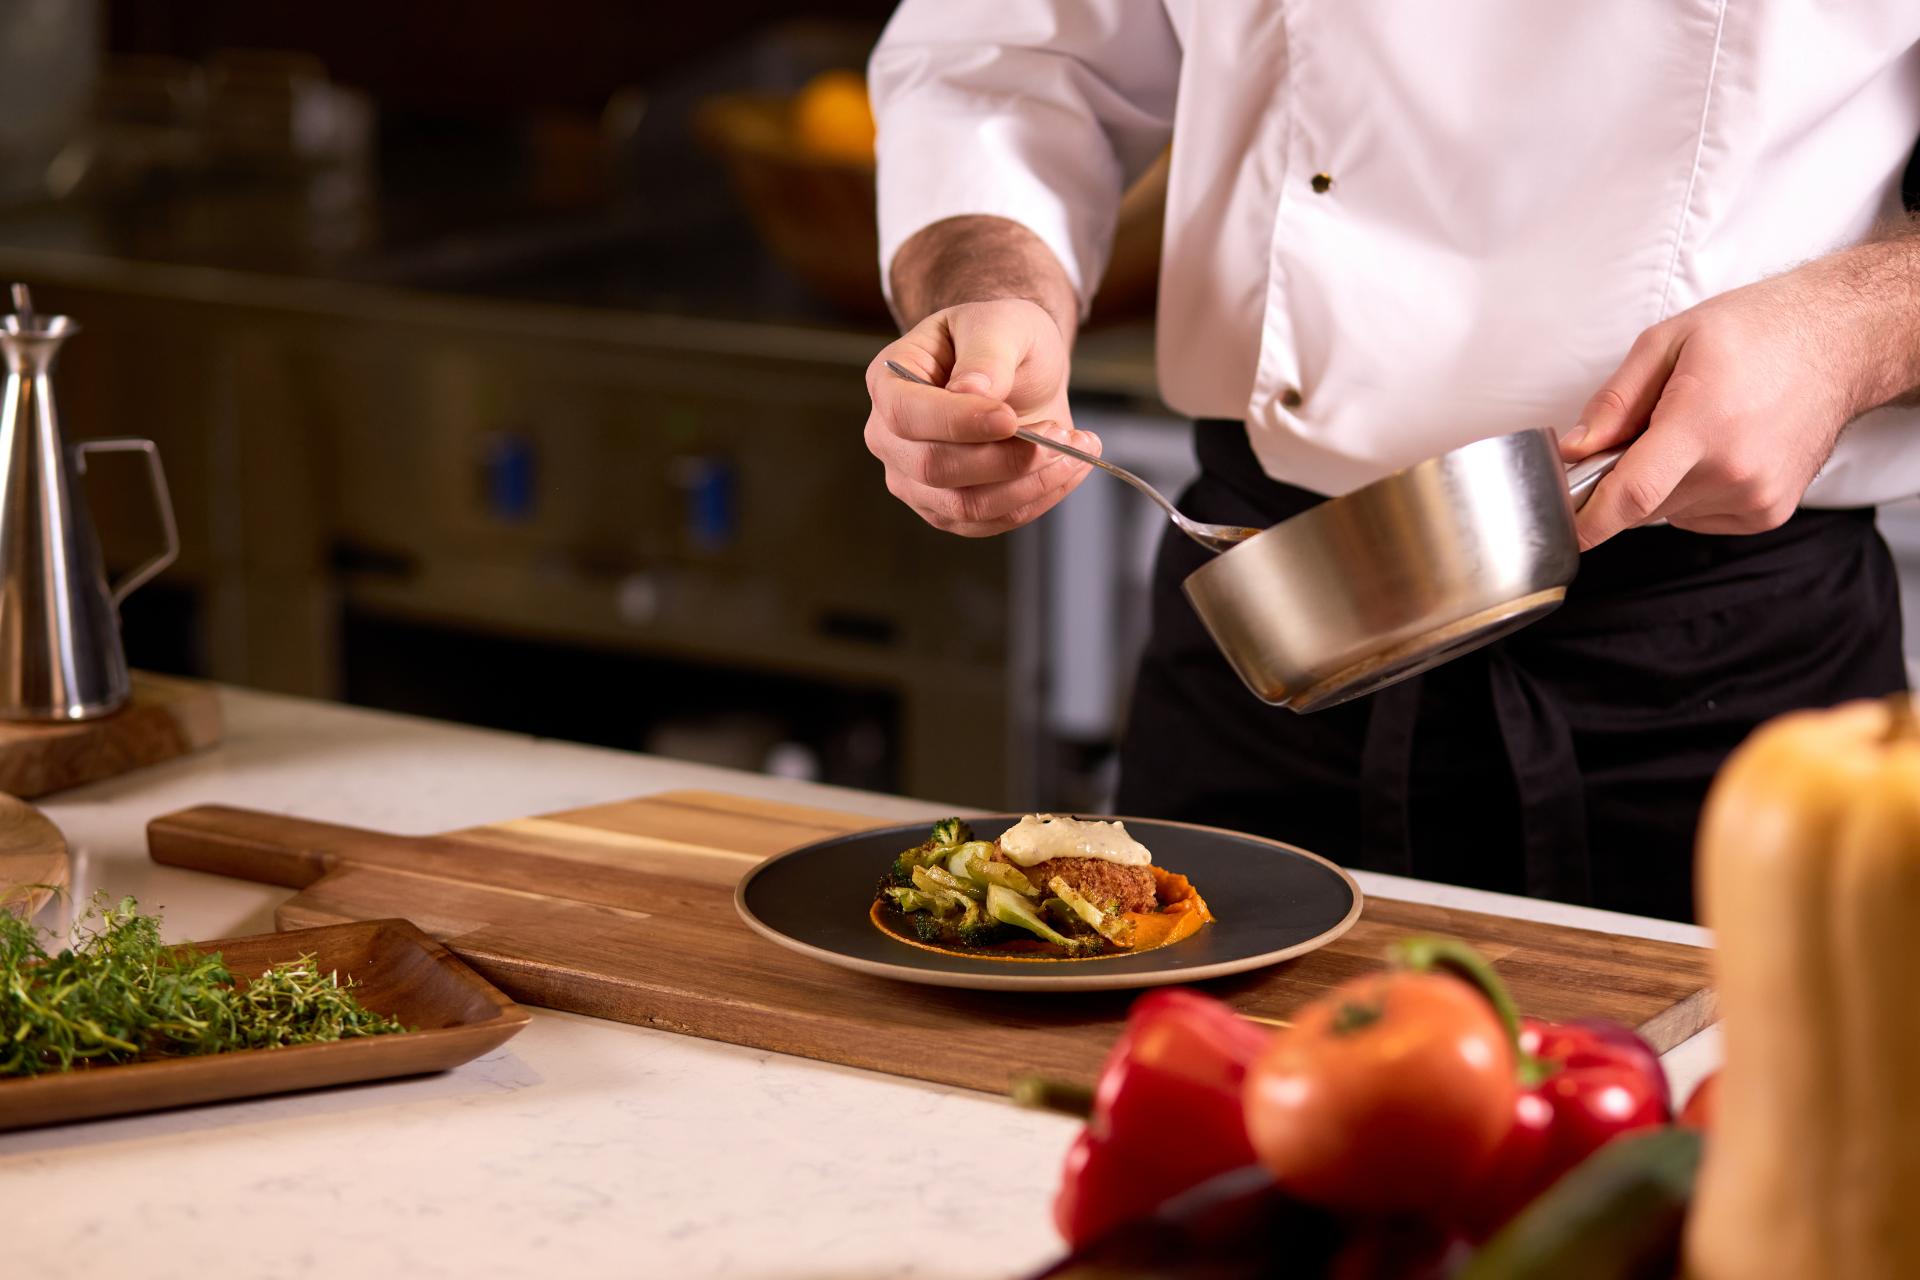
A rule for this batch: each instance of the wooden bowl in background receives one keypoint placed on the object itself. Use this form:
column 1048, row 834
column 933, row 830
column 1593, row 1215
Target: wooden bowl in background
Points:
column 815, row 213
column 33, row 858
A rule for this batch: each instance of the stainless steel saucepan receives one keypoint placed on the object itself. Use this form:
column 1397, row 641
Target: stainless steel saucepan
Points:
column 1389, row 580
column 1414, row 569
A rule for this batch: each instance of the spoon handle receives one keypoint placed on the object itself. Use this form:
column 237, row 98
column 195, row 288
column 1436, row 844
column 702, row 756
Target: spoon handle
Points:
column 1034, row 437
column 1047, row 442
column 1119, row 472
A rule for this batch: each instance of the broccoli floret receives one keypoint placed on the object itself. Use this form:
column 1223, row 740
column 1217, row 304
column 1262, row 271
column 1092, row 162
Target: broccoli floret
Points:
column 984, row 933
column 951, row 831
column 921, row 855
column 948, row 833
column 968, row 927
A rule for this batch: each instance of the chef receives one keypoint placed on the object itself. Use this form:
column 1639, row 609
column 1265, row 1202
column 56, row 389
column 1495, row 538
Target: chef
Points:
column 1392, row 229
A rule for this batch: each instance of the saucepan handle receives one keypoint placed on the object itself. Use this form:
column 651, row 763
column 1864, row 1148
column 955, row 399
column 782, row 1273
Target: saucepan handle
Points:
column 161, row 496
column 1585, row 475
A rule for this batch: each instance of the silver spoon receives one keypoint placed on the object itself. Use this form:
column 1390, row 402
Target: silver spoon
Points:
column 1214, row 537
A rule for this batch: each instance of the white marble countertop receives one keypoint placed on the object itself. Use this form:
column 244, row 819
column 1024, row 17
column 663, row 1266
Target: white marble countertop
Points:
column 582, row 1147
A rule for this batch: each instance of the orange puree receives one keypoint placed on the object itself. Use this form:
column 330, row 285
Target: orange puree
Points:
column 1182, row 912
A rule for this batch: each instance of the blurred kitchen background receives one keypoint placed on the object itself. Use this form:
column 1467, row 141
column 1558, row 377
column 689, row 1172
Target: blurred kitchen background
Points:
column 506, row 362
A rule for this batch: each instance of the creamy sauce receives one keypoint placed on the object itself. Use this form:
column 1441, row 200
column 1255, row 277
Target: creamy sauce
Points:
column 1040, row 836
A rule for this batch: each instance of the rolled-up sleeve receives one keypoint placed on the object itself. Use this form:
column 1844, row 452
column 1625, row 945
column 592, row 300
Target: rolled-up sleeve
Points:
column 1040, row 111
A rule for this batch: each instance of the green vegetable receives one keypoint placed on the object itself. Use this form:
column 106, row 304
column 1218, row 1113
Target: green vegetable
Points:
column 968, row 926
column 948, row 833
column 1114, row 927
column 917, row 857
column 943, row 899
column 976, row 862
column 945, row 879
column 960, row 867
column 1616, row 1216
column 1008, row 907
column 117, row 993
column 1007, row 876
column 959, row 892
column 983, row 931
column 910, row 899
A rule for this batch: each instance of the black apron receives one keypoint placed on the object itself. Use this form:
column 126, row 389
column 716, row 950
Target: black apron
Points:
column 1567, row 761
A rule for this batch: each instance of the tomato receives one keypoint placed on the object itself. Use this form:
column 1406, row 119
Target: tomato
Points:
column 1698, row 1113
column 1385, row 1095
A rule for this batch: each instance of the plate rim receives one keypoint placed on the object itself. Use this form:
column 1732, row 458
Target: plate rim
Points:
column 1050, row 982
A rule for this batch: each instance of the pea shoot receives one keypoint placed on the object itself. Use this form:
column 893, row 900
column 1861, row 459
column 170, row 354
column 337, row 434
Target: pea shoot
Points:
column 116, row 993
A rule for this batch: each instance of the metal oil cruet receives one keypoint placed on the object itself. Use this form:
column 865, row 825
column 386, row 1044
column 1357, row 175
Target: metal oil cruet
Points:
column 61, row 657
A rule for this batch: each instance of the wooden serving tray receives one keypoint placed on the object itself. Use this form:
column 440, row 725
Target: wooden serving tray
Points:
column 401, row 973
column 625, row 911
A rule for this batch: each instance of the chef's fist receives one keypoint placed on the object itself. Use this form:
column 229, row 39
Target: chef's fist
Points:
column 949, row 449
column 1732, row 408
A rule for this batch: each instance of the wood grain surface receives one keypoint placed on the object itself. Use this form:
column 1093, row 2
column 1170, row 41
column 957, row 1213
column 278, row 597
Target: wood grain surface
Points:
column 33, row 857
column 625, row 911
column 452, row 1015
column 166, row 718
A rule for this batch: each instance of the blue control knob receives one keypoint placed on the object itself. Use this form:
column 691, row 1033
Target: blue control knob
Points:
column 708, row 485
column 507, row 476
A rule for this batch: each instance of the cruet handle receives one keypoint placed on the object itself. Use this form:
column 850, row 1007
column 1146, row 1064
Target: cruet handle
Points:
column 162, row 498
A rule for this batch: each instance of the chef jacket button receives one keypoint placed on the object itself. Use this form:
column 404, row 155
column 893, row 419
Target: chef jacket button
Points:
column 1290, row 398
column 1322, row 183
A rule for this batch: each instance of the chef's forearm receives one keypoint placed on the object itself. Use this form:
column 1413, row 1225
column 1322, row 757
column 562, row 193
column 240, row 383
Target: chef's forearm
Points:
column 978, row 258
column 1876, row 288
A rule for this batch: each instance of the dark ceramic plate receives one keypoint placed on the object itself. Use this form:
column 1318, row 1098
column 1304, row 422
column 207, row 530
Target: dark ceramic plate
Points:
column 1270, row 902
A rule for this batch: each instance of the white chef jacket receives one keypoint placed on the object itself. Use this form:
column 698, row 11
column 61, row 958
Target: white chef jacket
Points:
column 1513, row 190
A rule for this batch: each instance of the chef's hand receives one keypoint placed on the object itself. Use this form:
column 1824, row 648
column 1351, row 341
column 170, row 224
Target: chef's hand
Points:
column 949, row 449
column 1732, row 408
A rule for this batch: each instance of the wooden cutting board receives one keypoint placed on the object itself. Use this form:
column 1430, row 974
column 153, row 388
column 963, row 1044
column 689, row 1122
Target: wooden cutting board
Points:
column 33, row 858
column 166, row 718
column 625, row 911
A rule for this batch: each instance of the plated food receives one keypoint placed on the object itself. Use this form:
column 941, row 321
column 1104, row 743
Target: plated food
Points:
column 1049, row 888
column 818, row 900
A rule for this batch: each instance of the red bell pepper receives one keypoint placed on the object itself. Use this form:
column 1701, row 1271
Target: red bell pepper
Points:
column 1163, row 1117
column 1591, row 1082
column 1582, row 1084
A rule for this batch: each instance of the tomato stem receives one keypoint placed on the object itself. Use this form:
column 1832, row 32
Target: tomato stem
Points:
column 1352, row 1017
column 1060, row 1096
column 1428, row 954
